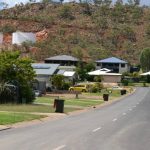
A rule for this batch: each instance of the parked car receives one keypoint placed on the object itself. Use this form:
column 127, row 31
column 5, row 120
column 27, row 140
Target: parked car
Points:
column 37, row 93
column 79, row 88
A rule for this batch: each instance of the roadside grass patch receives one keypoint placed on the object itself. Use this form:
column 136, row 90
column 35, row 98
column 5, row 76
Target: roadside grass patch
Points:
column 71, row 102
column 84, row 100
column 32, row 108
column 11, row 118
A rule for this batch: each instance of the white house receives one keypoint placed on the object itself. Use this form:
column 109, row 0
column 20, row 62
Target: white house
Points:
column 43, row 74
column 107, row 76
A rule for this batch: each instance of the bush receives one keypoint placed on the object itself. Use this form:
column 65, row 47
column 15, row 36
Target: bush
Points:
column 66, row 13
column 66, row 85
column 97, row 88
column 98, row 78
column 144, row 84
column 7, row 29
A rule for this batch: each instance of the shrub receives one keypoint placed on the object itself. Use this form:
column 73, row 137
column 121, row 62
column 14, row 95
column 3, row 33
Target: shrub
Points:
column 8, row 29
column 66, row 13
column 97, row 88
column 125, row 82
column 66, row 85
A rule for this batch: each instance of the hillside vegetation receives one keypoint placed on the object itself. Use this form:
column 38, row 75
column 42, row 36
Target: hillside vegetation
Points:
column 81, row 29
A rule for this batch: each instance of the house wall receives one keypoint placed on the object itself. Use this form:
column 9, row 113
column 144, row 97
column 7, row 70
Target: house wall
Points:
column 67, row 68
column 20, row 37
column 44, row 78
column 111, row 79
column 123, row 69
column 62, row 62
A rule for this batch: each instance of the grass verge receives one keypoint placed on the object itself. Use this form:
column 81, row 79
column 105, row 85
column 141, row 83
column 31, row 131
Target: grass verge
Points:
column 32, row 108
column 11, row 118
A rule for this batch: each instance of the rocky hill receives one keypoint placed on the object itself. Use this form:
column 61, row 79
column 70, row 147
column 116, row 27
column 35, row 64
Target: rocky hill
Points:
column 82, row 30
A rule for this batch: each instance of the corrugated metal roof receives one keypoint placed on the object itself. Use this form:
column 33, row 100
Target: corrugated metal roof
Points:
column 63, row 57
column 61, row 72
column 66, row 73
column 69, row 73
column 112, row 60
column 44, row 69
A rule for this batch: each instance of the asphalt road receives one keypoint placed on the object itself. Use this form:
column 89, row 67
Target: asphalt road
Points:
column 123, row 125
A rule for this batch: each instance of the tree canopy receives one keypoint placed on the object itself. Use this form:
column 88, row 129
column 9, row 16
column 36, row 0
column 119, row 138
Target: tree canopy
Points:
column 145, row 59
column 17, row 71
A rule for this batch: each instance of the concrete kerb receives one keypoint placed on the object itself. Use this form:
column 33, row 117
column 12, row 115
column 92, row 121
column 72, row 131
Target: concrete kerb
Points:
column 2, row 127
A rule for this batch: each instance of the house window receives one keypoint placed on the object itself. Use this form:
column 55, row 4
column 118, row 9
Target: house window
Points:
column 98, row 64
column 122, row 65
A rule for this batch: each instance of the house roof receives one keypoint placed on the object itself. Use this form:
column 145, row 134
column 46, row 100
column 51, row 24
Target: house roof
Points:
column 61, row 72
column 66, row 73
column 69, row 73
column 44, row 69
column 112, row 60
column 63, row 57
column 99, row 72
column 145, row 74
column 103, row 73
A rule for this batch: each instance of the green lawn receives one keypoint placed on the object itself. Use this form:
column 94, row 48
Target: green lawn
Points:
column 32, row 108
column 71, row 102
column 18, row 113
column 84, row 100
column 140, row 84
column 115, row 93
column 10, row 118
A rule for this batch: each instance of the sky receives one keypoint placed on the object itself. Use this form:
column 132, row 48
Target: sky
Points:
column 13, row 2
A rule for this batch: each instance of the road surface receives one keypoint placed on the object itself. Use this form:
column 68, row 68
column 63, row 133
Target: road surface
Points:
column 123, row 125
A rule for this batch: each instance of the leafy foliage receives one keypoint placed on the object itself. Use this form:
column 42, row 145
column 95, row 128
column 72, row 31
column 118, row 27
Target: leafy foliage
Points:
column 97, row 30
column 66, row 12
column 144, row 59
column 7, row 29
column 57, row 81
column 17, row 71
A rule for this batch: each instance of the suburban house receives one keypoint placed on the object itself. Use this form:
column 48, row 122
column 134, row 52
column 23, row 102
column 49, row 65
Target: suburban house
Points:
column 43, row 75
column 116, row 65
column 63, row 60
column 107, row 76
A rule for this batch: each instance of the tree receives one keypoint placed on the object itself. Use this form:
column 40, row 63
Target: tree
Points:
column 46, row 1
column 57, row 81
column 145, row 59
column 137, row 2
column 148, row 31
column 82, row 70
column 61, row 1
column 19, row 72
column 32, row 1
column 119, row 2
column 3, row 5
column 98, row 2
